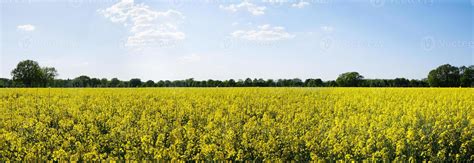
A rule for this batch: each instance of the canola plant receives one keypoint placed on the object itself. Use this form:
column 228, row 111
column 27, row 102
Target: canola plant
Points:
column 267, row 124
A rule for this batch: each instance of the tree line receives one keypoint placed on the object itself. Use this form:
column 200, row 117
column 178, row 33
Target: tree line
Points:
column 28, row 73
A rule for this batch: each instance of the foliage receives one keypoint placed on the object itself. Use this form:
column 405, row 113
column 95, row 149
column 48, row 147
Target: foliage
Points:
column 444, row 76
column 149, row 83
column 28, row 72
column 267, row 124
column 82, row 81
column 135, row 82
column 467, row 76
column 48, row 74
column 349, row 79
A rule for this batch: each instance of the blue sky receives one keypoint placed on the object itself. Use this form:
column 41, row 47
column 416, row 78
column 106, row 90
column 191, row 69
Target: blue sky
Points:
column 222, row 39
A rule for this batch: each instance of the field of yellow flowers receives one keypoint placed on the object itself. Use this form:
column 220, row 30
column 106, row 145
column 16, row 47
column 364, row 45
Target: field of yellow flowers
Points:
column 300, row 124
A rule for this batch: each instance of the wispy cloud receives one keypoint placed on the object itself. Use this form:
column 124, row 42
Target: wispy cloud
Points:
column 276, row 2
column 146, row 26
column 26, row 27
column 300, row 4
column 263, row 33
column 245, row 5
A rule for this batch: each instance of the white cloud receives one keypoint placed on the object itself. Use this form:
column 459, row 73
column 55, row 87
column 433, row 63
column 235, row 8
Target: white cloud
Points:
column 146, row 26
column 327, row 29
column 276, row 2
column 190, row 58
column 263, row 33
column 300, row 4
column 245, row 5
column 26, row 27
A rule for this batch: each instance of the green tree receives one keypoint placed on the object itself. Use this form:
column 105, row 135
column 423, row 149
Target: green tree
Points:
column 248, row 82
column 313, row 82
column 5, row 82
column 149, row 83
column 29, row 73
column 189, row 82
column 444, row 76
column 349, row 79
column 270, row 83
column 135, row 82
column 259, row 82
column 467, row 76
column 82, row 81
column 95, row 82
column 231, row 83
column 48, row 74
column 401, row 82
column 104, row 82
column 114, row 82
